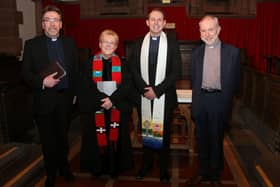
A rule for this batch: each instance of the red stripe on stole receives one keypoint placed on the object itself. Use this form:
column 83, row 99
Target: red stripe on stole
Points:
column 116, row 76
column 101, row 139
column 97, row 79
column 114, row 132
column 97, row 65
column 115, row 115
column 116, row 61
column 99, row 120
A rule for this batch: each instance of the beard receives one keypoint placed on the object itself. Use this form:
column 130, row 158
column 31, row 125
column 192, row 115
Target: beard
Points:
column 210, row 41
column 52, row 32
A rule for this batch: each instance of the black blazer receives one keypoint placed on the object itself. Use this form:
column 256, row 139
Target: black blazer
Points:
column 230, row 76
column 173, row 68
column 35, row 59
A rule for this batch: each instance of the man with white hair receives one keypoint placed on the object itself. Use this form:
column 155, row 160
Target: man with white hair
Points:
column 215, row 72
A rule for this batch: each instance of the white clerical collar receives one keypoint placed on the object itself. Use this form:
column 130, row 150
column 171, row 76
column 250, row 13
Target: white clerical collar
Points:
column 215, row 44
column 155, row 37
column 54, row 39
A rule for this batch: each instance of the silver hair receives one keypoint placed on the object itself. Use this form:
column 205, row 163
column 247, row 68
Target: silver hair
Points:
column 214, row 18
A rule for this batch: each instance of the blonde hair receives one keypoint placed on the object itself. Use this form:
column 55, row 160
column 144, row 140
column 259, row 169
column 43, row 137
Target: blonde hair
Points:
column 110, row 33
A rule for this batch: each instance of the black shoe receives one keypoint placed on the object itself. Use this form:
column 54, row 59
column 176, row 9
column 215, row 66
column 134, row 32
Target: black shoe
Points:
column 67, row 175
column 165, row 178
column 96, row 174
column 114, row 175
column 196, row 180
column 141, row 174
column 216, row 183
column 50, row 181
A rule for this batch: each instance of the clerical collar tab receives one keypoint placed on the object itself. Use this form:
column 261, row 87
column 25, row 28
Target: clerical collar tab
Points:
column 155, row 37
column 54, row 39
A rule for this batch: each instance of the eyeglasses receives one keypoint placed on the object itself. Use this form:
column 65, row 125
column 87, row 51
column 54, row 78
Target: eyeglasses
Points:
column 108, row 42
column 55, row 20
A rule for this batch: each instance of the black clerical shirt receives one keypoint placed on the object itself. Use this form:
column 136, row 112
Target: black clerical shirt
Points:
column 153, row 55
column 107, row 69
column 56, row 54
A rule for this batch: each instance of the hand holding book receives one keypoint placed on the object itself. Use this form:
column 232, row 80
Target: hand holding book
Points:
column 49, row 81
column 52, row 68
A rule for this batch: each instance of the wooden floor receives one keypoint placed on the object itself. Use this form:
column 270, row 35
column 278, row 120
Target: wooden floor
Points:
column 182, row 166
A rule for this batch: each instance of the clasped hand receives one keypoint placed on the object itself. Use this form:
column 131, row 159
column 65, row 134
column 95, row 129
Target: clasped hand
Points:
column 149, row 93
column 106, row 103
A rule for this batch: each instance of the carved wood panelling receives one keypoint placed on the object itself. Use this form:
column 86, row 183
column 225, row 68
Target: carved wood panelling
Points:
column 8, row 29
column 261, row 93
column 171, row 2
column 10, row 43
column 10, row 46
column 272, row 109
column 247, row 86
column 185, row 49
column 261, row 96
column 258, row 94
column 8, row 4
column 222, row 7
column 97, row 8
column 196, row 8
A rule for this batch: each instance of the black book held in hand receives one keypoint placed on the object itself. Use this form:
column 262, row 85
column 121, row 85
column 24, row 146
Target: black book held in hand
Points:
column 52, row 68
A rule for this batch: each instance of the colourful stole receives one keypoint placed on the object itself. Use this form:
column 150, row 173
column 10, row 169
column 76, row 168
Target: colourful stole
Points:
column 97, row 71
column 153, row 120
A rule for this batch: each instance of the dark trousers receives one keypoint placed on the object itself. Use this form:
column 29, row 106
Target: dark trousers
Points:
column 52, row 127
column 210, row 134
column 163, row 153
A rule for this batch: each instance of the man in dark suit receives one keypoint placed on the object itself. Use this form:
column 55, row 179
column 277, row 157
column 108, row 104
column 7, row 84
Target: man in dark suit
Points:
column 52, row 96
column 155, row 65
column 215, row 72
